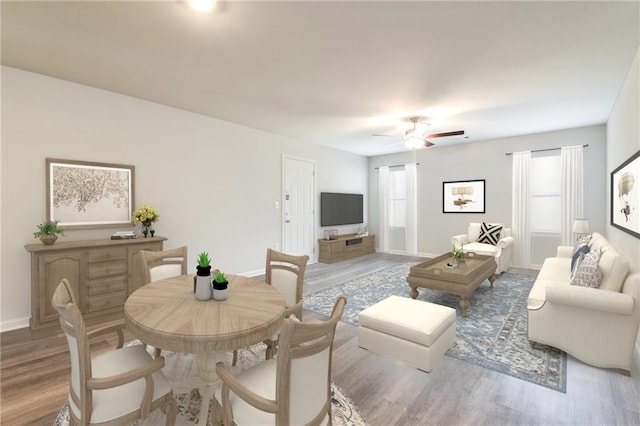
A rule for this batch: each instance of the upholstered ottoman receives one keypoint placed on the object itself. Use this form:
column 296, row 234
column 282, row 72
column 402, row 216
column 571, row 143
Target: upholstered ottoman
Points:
column 412, row 331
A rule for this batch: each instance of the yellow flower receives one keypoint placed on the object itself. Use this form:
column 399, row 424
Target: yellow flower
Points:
column 146, row 215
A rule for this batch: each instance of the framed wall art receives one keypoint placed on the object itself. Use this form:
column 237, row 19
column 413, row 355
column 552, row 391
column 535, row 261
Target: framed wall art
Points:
column 83, row 195
column 463, row 196
column 625, row 196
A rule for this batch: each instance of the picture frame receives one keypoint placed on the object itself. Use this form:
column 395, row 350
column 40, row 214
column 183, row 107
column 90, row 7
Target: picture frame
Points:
column 85, row 195
column 463, row 196
column 625, row 196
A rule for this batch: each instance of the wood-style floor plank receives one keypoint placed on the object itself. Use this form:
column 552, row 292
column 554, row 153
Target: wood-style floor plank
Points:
column 34, row 377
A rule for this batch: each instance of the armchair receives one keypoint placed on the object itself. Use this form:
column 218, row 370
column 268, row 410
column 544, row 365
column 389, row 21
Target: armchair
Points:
column 501, row 250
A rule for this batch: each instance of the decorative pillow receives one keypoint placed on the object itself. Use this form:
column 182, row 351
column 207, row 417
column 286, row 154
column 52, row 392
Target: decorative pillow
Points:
column 489, row 234
column 587, row 272
column 581, row 247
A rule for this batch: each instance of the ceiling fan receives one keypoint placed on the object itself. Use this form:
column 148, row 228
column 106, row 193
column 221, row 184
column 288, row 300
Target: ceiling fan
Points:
column 415, row 139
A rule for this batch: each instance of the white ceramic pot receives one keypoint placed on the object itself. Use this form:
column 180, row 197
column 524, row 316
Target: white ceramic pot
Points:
column 203, row 287
column 220, row 294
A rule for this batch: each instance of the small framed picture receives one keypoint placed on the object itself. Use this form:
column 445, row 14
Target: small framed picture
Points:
column 625, row 196
column 463, row 196
column 85, row 195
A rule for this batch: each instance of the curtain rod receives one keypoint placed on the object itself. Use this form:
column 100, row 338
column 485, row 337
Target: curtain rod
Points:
column 398, row 165
column 541, row 150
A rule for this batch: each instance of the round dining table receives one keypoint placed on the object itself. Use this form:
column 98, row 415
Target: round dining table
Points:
column 167, row 315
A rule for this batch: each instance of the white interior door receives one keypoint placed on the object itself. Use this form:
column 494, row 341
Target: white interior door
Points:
column 298, row 200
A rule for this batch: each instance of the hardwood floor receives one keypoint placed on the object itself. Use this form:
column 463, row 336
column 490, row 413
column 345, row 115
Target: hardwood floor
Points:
column 34, row 378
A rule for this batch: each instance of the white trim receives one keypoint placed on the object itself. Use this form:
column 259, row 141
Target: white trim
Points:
column 14, row 324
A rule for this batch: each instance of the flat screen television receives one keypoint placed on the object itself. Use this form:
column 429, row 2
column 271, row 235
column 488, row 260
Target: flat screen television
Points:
column 340, row 209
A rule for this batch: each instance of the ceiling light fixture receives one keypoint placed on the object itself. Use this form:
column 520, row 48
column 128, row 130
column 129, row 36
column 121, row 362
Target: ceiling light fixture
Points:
column 203, row 6
column 414, row 142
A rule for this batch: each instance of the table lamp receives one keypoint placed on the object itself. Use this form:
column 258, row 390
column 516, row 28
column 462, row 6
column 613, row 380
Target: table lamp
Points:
column 580, row 228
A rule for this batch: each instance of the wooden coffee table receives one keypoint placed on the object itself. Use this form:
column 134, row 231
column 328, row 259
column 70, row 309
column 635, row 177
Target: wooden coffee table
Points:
column 461, row 280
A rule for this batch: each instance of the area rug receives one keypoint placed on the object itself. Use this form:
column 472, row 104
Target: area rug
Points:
column 493, row 335
column 194, row 396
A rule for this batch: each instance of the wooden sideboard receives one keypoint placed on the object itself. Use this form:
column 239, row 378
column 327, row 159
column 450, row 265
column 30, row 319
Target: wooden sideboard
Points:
column 101, row 273
column 346, row 246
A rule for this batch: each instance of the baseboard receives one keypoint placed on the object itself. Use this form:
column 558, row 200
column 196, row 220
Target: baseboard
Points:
column 252, row 274
column 14, row 324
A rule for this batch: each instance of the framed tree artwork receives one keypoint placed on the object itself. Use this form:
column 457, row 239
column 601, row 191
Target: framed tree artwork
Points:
column 625, row 196
column 463, row 196
column 83, row 195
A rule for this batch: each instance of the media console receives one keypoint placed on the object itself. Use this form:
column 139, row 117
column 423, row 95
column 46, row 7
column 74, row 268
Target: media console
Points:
column 346, row 246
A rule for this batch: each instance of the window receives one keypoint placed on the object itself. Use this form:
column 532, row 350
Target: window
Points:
column 545, row 194
column 397, row 198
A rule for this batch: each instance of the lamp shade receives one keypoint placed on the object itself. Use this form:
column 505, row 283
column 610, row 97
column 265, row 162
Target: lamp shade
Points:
column 581, row 226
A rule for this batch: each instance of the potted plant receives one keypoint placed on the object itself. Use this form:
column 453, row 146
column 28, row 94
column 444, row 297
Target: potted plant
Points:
column 220, row 285
column 457, row 255
column 48, row 232
column 203, row 277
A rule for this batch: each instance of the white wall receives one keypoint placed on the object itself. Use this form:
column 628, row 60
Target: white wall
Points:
column 213, row 182
column 623, row 136
column 487, row 160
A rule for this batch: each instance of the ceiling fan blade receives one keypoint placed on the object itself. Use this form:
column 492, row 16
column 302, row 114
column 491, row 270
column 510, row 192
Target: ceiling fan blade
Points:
column 384, row 136
column 445, row 134
column 428, row 144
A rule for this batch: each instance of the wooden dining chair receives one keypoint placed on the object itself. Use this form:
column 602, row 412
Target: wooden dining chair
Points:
column 158, row 265
column 116, row 387
column 285, row 272
column 294, row 389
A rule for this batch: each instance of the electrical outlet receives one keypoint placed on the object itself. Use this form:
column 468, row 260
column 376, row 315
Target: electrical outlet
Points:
column 276, row 246
column 276, row 205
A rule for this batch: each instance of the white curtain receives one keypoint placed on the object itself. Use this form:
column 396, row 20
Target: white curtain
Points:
column 411, row 229
column 571, row 192
column 521, row 173
column 383, row 207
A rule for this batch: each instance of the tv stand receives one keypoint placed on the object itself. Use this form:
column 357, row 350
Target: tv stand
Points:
column 346, row 246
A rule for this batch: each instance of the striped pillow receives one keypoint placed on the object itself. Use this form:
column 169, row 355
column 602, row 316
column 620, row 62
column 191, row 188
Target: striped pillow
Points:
column 489, row 233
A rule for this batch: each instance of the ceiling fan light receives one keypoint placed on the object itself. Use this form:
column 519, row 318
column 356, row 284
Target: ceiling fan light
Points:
column 203, row 6
column 414, row 143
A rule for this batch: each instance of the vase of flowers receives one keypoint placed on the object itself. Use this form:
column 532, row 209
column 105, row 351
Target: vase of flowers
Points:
column 457, row 255
column 146, row 215
column 203, row 277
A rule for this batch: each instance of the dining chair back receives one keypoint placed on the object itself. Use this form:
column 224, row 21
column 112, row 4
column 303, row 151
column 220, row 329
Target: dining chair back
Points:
column 286, row 273
column 294, row 389
column 115, row 387
column 158, row 265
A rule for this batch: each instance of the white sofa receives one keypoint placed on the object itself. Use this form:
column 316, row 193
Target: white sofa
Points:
column 501, row 251
column 598, row 326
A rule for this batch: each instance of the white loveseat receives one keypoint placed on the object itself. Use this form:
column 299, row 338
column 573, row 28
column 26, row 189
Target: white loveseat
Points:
column 598, row 326
column 501, row 251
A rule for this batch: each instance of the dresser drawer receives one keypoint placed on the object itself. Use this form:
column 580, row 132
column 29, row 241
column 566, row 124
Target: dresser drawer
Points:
column 107, row 268
column 107, row 285
column 112, row 253
column 111, row 300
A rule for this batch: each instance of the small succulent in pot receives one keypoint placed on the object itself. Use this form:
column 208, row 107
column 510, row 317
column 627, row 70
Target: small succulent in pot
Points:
column 219, row 280
column 220, row 285
column 48, row 232
column 204, row 264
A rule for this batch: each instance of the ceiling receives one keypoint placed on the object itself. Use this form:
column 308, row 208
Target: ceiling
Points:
column 335, row 72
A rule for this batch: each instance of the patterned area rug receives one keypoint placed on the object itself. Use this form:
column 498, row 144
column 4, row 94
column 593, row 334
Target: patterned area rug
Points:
column 194, row 396
column 493, row 335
